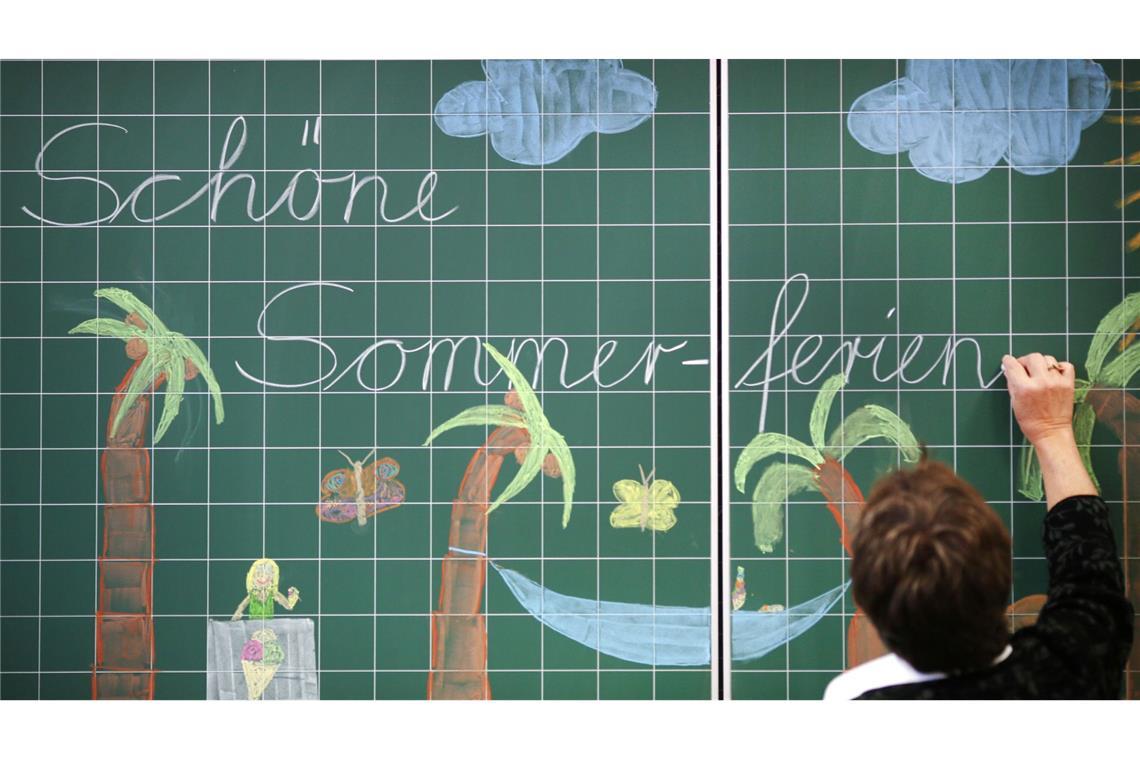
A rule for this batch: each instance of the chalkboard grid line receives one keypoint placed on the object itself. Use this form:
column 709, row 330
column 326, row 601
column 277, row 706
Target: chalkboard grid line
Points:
column 424, row 504
column 842, row 112
column 426, row 671
column 294, row 392
column 616, row 225
column 40, row 527
column 469, row 281
column 409, row 448
column 320, row 357
column 95, row 380
column 264, row 295
column 429, row 113
column 1002, row 111
column 787, row 521
column 810, row 169
column 431, row 392
column 405, row 559
column 209, row 330
column 417, row 558
column 541, row 384
column 2, row 420
column 339, row 172
column 843, row 331
column 351, row 225
column 954, row 255
column 898, row 249
column 653, row 332
column 1129, row 674
column 948, row 222
column 718, row 381
column 598, row 340
column 1009, row 302
column 375, row 376
column 152, row 418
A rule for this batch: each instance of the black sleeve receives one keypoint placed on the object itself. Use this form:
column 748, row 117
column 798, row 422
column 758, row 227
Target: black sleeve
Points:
column 1087, row 620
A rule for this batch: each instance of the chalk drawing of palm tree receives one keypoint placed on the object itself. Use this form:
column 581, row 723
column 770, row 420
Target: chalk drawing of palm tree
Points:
column 1103, row 397
column 124, row 667
column 1100, row 395
column 520, row 427
column 820, row 468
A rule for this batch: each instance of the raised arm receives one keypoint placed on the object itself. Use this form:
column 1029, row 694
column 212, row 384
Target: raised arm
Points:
column 288, row 602
column 1086, row 623
column 241, row 608
column 1041, row 390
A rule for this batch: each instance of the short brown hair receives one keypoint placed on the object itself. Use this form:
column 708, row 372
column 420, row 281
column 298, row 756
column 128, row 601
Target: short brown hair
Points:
column 930, row 566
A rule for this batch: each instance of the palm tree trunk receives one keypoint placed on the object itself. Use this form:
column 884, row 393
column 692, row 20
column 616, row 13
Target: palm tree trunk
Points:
column 459, row 629
column 845, row 502
column 124, row 626
column 1121, row 412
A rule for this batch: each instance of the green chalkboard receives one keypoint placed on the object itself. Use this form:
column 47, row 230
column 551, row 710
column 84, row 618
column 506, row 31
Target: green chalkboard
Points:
column 339, row 239
column 907, row 240
column 472, row 351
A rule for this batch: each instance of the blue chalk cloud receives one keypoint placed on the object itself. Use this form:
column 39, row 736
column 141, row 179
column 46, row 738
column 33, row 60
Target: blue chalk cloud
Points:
column 537, row 111
column 956, row 119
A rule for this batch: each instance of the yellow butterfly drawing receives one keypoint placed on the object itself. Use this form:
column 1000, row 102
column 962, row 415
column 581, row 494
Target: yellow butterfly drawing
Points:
column 648, row 504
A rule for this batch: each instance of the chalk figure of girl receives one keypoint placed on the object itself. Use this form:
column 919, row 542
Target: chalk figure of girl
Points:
column 261, row 591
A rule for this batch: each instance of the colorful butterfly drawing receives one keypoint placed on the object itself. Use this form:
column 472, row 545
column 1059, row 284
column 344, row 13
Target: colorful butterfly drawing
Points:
column 360, row 490
column 648, row 504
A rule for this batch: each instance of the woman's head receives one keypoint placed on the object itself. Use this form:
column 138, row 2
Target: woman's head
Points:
column 930, row 565
column 263, row 575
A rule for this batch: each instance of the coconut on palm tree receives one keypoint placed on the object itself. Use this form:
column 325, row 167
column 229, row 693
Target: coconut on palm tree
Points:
column 519, row 428
column 820, row 468
column 124, row 628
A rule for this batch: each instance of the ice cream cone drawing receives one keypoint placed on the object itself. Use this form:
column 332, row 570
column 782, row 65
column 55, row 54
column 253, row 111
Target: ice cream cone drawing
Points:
column 260, row 658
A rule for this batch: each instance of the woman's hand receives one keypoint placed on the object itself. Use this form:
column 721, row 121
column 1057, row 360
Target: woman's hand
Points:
column 1041, row 390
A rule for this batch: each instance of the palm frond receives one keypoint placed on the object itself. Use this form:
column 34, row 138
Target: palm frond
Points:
column 778, row 483
column 142, row 378
column 1082, row 390
column 822, row 408
column 1031, row 483
column 530, row 404
column 492, row 415
column 770, row 444
column 108, row 328
column 1029, row 471
column 867, row 423
column 1084, row 420
column 1118, row 372
column 175, row 371
column 189, row 350
column 1108, row 331
column 132, row 304
column 528, row 471
column 565, row 459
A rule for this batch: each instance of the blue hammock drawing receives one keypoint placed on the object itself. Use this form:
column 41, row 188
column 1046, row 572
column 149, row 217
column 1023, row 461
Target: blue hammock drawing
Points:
column 662, row 635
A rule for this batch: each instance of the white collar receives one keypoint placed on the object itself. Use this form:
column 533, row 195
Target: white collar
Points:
column 888, row 670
